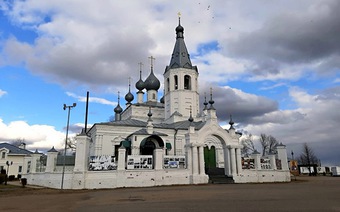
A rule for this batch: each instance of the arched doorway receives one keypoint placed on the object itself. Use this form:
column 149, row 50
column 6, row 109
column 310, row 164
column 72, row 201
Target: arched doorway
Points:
column 148, row 148
column 210, row 157
column 149, row 144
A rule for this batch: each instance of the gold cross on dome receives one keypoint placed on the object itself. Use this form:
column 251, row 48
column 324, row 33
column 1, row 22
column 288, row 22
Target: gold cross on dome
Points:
column 179, row 14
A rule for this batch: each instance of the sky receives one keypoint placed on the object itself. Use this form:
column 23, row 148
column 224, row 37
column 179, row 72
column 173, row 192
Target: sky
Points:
column 273, row 65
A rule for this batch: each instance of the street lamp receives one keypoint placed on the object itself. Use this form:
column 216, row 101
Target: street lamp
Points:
column 68, row 123
column 292, row 155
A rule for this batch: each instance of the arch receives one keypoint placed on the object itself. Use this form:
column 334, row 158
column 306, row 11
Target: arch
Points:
column 176, row 82
column 187, row 82
column 214, row 130
column 149, row 144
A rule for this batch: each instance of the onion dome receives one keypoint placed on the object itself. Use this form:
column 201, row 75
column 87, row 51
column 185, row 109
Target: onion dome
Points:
column 152, row 83
column 129, row 97
column 140, row 83
column 179, row 29
column 118, row 108
column 205, row 102
column 211, row 101
column 231, row 122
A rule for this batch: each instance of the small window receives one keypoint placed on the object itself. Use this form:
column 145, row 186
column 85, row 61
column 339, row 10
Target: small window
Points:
column 153, row 96
column 20, row 169
column 187, row 82
column 168, row 83
column 176, row 82
column 3, row 155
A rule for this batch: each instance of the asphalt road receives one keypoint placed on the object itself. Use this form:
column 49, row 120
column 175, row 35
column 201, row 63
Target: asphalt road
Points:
column 305, row 194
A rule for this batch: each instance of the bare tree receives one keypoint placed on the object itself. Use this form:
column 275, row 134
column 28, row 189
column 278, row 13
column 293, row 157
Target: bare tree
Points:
column 272, row 143
column 248, row 144
column 268, row 144
column 18, row 142
column 307, row 156
column 72, row 144
column 264, row 143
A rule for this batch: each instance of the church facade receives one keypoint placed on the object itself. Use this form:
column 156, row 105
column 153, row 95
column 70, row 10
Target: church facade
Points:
column 162, row 141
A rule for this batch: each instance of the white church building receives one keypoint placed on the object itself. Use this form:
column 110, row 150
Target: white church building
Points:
column 161, row 141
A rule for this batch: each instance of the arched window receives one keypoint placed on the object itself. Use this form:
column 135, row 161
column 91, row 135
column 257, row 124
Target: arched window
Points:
column 176, row 82
column 168, row 83
column 187, row 82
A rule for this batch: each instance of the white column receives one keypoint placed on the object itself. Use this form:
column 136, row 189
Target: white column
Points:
column 257, row 159
column 158, row 159
column 81, row 160
column 189, row 157
column 272, row 161
column 282, row 155
column 35, row 157
column 51, row 161
column 121, row 158
column 194, row 160
column 201, row 159
column 238, row 160
column 226, row 161
column 233, row 161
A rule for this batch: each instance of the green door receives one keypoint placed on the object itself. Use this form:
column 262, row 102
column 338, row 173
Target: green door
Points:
column 210, row 157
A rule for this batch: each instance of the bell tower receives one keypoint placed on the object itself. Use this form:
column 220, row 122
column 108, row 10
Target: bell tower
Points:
column 180, row 81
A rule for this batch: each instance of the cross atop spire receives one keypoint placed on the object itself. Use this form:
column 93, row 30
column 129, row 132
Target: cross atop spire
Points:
column 129, row 83
column 152, row 59
column 140, row 69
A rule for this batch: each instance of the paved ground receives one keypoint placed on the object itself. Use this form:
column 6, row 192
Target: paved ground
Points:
column 304, row 194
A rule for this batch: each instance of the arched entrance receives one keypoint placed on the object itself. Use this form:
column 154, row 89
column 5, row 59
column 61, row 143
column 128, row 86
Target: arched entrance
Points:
column 148, row 148
column 149, row 144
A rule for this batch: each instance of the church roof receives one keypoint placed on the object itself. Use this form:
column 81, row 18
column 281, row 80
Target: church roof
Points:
column 126, row 122
column 14, row 149
column 144, row 132
column 180, row 57
column 137, row 123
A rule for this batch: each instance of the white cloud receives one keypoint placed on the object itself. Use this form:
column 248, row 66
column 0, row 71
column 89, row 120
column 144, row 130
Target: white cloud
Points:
column 314, row 122
column 2, row 92
column 36, row 136
column 92, row 99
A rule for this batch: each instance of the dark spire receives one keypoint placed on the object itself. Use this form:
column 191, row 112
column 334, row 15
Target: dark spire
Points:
column 52, row 150
column 118, row 109
column 150, row 114
column 205, row 102
column 180, row 57
column 140, row 84
column 231, row 122
column 191, row 119
column 129, row 96
column 211, row 101
column 152, row 83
